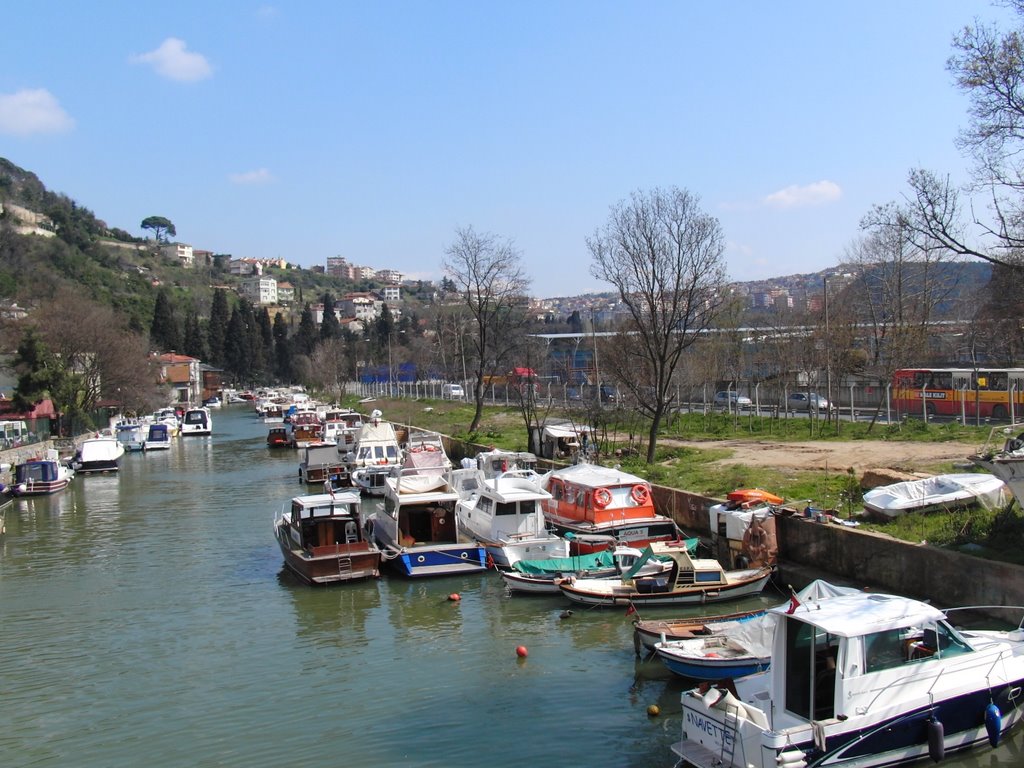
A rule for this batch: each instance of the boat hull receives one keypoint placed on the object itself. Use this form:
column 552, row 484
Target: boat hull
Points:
column 40, row 488
column 108, row 465
column 436, row 560
column 713, row 668
column 647, row 632
column 342, row 565
column 615, row 593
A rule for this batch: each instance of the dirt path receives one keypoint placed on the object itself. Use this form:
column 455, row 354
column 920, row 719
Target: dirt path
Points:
column 861, row 455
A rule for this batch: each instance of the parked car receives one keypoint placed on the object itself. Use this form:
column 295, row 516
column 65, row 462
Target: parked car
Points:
column 731, row 400
column 804, row 401
column 452, row 392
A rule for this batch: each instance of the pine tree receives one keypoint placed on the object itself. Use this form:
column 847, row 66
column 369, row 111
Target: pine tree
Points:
column 282, row 350
column 195, row 344
column 306, row 337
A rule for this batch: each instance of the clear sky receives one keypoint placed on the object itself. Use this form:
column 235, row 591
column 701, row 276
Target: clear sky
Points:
column 374, row 130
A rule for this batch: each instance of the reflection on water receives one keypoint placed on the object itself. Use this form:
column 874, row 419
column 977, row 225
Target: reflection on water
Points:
column 147, row 619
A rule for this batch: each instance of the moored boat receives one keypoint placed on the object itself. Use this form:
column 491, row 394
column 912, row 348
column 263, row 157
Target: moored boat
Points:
column 543, row 577
column 602, row 505
column 132, row 436
column 864, row 680
column 277, row 437
column 322, row 539
column 374, row 455
column 158, row 437
column 690, row 581
column 196, row 421
column 418, row 531
column 98, row 454
column 41, row 476
column 321, row 464
column 505, row 514
column 1006, row 461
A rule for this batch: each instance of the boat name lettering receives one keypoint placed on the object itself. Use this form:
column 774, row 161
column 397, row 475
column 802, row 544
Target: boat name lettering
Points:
column 710, row 727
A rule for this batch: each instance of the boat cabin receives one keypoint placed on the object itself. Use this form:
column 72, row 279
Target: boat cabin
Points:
column 322, row 464
column 686, row 570
column 423, row 507
column 599, row 495
column 278, row 437
column 326, row 521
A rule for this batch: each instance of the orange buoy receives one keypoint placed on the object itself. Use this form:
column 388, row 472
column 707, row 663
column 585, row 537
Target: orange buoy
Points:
column 653, row 711
column 521, row 651
column 455, row 597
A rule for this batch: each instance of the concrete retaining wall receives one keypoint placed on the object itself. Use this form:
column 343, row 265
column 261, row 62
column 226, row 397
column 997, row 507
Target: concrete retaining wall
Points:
column 945, row 578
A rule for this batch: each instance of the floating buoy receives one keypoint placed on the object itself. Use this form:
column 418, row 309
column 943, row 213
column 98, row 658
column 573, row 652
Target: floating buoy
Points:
column 454, row 597
column 936, row 739
column 653, row 711
column 993, row 724
column 521, row 651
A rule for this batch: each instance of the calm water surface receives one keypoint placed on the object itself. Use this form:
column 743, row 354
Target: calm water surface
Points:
column 146, row 620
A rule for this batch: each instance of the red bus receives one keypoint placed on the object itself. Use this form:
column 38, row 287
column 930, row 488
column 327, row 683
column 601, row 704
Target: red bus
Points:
column 996, row 393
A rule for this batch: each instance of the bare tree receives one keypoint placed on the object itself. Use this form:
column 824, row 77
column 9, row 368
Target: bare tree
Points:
column 331, row 366
column 896, row 292
column 988, row 66
column 488, row 274
column 664, row 256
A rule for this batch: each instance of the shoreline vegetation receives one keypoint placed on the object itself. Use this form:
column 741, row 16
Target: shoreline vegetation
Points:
column 712, row 470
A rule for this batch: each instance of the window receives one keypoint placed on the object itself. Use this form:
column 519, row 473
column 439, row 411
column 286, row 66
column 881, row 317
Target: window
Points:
column 884, row 650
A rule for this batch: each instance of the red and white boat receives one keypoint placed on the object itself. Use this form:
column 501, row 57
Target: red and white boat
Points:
column 596, row 507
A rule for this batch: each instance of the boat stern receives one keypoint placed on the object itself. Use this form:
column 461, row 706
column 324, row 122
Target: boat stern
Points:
column 721, row 731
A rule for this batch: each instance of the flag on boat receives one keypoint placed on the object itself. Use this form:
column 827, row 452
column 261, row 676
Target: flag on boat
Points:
column 631, row 610
column 794, row 603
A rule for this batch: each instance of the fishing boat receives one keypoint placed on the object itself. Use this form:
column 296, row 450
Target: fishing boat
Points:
column 41, row 476
column 196, row 421
column 98, row 454
column 497, row 461
column 418, row 531
column 717, row 657
column 322, row 540
column 542, row 577
column 864, row 680
column 961, row 489
column 603, row 505
column 374, row 455
column 424, row 453
column 341, row 426
column 321, row 464
column 505, row 514
column 306, row 429
column 690, row 581
column 158, row 437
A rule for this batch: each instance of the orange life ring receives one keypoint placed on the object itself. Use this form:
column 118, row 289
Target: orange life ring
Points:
column 640, row 494
column 602, row 498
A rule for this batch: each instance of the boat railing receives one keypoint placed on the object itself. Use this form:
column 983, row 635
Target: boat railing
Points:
column 998, row 436
column 1020, row 623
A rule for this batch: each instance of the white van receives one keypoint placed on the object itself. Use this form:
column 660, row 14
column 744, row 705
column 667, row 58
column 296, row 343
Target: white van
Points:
column 452, row 392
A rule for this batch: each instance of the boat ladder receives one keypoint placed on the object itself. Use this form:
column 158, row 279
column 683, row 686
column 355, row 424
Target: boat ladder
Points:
column 730, row 732
column 344, row 565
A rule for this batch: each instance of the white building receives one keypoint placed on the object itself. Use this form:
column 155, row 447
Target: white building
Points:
column 179, row 252
column 259, row 290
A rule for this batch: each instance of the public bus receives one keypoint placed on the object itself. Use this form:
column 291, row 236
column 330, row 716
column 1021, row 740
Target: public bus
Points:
column 996, row 393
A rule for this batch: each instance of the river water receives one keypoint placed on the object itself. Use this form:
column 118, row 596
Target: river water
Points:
column 145, row 619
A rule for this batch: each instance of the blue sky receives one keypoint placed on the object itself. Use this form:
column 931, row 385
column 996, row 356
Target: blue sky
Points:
column 375, row 130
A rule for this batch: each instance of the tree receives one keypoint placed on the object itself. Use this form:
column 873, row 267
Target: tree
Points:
column 664, row 257
column 898, row 287
column 162, row 227
column 164, row 332
column 217, row 329
column 195, row 344
column 330, row 328
column 488, row 274
column 306, row 337
column 989, row 68
column 282, row 350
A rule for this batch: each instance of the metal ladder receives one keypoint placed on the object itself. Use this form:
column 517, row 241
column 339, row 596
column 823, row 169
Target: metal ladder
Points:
column 344, row 565
column 730, row 733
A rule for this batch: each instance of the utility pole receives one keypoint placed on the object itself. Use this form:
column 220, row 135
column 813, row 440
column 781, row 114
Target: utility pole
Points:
column 828, row 362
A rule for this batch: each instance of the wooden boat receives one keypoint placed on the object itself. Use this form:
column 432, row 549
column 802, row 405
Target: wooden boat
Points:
column 648, row 632
column 40, row 476
column 962, row 489
column 305, row 435
column 505, row 514
column 278, row 437
column 690, row 581
column 589, row 499
column 158, row 438
column 98, row 454
column 321, row 537
column 418, row 531
column 860, row 679
column 543, row 577
column 322, row 464
column 196, row 421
